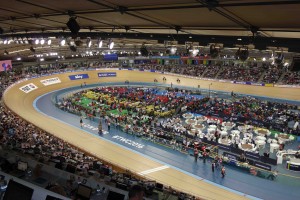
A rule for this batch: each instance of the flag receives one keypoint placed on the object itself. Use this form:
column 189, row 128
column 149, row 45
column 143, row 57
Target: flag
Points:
column 5, row 65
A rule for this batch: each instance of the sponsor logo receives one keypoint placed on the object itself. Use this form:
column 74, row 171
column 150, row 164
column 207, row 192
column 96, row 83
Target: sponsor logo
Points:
column 239, row 82
column 127, row 141
column 78, row 76
column 28, row 88
column 258, row 84
column 231, row 157
column 107, row 74
column 262, row 166
column 50, row 81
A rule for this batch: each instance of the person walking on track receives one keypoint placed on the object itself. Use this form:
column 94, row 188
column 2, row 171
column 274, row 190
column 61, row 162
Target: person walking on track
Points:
column 81, row 122
column 223, row 172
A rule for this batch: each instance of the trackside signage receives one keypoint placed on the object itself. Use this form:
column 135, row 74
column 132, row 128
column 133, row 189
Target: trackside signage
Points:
column 50, row 81
column 107, row 74
column 78, row 76
column 28, row 88
column 129, row 142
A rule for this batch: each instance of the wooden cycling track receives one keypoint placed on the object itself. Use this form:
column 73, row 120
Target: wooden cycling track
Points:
column 22, row 104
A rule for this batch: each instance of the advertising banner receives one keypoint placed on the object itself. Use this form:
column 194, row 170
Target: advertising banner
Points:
column 224, row 147
column 262, row 166
column 110, row 57
column 5, row 65
column 231, row 156
column 293, row 167
column 50, row 81
column 249, row 83
column 28, row 88
column 78, row 76
column 269, row 85
column 107, row 74
column 252, row 155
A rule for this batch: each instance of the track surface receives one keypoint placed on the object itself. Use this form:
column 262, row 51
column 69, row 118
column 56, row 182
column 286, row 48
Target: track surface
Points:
column 22, row 104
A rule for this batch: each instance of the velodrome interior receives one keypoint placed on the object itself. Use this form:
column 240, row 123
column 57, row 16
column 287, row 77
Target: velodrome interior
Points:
column 40, row 34
column 22, row 104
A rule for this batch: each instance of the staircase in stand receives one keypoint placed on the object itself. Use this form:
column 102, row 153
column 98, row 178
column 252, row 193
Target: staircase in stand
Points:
column 282, row 76
column 219, row 72
column 205, row 71
column 261, row 76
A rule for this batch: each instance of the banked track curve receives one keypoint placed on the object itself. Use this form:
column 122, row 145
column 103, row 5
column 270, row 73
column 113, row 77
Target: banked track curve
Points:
column 22, row 104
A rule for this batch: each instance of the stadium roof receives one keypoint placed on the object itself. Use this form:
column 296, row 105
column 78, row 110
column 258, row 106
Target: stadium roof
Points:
column 263, row 23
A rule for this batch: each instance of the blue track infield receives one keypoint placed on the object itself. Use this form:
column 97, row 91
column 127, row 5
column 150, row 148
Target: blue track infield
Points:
column 235, row 181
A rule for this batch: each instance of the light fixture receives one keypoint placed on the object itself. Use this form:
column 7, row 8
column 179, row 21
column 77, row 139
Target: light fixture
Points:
column 5, row 41
column 195, row 51
column 63, row 42
column 264, row 59
column 173, row 50
column 286, row 64
column 239, row 39
column 37, row 41
column 88, row 42
column 49, row 42
column 100, row 43
column 42, row 41
column 111, row 44
column 42, row 59
column 19, row 58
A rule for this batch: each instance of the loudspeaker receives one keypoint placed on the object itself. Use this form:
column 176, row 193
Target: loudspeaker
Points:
column 73, row 25
column 78, row 43
column 144, row 51
column 73, row 48
column 214, row 52
column 279, row 58
column 32, row 49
